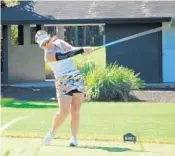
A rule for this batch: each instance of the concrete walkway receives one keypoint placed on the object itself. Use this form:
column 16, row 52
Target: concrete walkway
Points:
column 47, row 83
column 28, row 147
column 51, row 83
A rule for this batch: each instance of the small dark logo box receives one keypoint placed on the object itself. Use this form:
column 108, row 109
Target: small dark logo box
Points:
column 129, row 137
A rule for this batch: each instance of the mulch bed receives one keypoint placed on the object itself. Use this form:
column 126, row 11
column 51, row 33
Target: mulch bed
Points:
column 48, row 94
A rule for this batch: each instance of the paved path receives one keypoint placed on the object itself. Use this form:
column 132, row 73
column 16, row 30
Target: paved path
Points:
column 48, row 93
column 51, row 83
column 27, row 147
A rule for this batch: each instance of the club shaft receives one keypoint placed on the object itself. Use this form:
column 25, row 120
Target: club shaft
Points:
column 133, row 37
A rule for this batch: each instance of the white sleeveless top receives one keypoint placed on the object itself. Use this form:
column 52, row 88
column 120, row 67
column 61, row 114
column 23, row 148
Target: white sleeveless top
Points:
column 61, row 67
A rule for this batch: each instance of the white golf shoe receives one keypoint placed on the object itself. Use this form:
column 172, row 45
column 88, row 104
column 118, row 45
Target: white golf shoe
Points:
column 48, row 138
column 73, row 142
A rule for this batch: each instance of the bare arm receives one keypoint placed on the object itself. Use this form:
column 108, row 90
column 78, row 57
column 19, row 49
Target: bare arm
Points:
column 66, row 45
column 71, row 51
column 50, row 56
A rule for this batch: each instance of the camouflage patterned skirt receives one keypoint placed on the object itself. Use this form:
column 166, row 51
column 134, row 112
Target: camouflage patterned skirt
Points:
column 70, row 81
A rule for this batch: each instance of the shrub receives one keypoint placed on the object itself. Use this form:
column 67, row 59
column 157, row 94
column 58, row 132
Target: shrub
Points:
column 47, row 68
column 49, row 73
column 14, row 36
column 111, row 83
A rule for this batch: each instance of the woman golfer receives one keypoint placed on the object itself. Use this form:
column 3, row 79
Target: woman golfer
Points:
column 70, row 86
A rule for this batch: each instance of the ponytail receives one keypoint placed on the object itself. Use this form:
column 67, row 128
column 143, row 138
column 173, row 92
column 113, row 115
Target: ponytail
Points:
column 54, row 38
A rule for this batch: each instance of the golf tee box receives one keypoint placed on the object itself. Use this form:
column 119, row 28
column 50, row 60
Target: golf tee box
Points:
column 129, row 137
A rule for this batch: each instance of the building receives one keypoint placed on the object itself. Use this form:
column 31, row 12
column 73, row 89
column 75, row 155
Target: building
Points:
column 152, row 55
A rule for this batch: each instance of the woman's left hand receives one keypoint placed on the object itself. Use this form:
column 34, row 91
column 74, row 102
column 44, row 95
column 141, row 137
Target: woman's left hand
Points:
column 87, row 50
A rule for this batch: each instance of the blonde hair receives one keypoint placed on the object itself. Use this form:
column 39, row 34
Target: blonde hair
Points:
column 54, row 38
column 41, row 32
column 38, row 33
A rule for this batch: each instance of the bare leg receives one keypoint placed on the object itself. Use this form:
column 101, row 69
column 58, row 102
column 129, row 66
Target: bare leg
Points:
column 64, row 103
column 77, row 99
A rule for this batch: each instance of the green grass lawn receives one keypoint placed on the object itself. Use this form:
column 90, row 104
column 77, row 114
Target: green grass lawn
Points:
column 153, row 122
column 98, row 57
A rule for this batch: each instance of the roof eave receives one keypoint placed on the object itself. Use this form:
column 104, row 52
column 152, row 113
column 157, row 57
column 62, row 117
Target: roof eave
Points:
column 90, row 21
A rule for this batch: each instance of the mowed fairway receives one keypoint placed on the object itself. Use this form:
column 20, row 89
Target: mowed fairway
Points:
column 152, row 122
column 102, row 127
column 35, row 147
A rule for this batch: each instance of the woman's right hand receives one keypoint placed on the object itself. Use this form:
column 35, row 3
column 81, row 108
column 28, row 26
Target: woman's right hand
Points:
column 87, row 50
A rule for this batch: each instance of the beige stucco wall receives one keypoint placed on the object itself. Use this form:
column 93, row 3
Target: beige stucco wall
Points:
column 25, row 62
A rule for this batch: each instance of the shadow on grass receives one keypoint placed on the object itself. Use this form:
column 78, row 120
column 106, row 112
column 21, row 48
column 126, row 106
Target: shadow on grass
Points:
column 26, row 104
column 109, row 149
